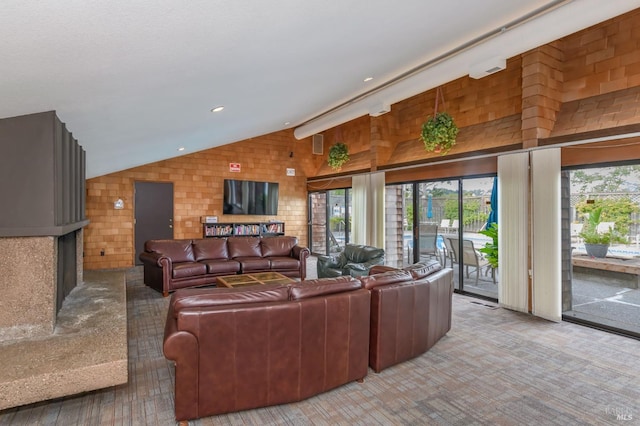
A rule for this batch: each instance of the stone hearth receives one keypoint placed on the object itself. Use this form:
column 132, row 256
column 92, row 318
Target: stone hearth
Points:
column 86, row 350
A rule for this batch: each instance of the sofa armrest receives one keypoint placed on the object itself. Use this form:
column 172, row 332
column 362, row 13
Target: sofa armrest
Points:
column 356, row 269
column 300, row 252
column 182, row 348
column 330, row 261
column 371, row 263
column 363, row 268
column 153, row 258
column 157, row 271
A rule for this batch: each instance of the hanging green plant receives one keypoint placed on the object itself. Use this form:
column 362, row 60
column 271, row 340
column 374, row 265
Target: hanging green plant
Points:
column 338, row 155
column 439, row 133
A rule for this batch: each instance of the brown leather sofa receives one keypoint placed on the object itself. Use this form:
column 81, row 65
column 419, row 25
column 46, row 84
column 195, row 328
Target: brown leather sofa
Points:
column 237, row 349
column 173, row 264
column 410, row 311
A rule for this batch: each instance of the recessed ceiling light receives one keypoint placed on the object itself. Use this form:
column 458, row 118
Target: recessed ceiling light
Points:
column 181, row 148
column 368, row 79
column 217, row 109
column 286, row 123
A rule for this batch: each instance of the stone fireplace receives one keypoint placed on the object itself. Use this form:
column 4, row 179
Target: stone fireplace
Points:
column 62, row 331
column 39, row 272
column 42, row 183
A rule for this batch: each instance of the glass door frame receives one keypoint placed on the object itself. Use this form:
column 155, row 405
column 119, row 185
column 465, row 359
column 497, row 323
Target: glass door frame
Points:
column 459, row 270
column 328, row 234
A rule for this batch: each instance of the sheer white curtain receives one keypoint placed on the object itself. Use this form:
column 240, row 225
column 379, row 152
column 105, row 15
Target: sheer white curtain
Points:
column 546, row 231
column 513, row 235
column 368, row 209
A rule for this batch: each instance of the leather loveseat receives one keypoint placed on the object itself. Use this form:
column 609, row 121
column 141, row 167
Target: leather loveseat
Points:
column 354, row 260
column 410, row 311
column 173, row 264
column 236, row 349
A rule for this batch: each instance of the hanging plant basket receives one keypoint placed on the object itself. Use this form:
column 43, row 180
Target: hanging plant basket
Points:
column 439, row 133
column 338, row 155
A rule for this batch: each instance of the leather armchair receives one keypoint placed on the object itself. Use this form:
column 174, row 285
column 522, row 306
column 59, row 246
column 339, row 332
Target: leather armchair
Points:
column 355, row 260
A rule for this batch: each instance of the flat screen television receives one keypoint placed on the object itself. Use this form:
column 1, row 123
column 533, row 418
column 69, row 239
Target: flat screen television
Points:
column 250, row 197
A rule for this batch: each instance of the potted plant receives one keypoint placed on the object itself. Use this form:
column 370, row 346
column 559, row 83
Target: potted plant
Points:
column 338, row 155
column 439, row 133
column 490, row 250
column 596, row 243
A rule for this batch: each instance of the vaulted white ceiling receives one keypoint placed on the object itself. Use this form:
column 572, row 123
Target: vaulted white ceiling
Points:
column 136, row 80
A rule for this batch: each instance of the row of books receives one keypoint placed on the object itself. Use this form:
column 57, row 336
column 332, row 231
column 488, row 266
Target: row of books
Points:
column 228, row 229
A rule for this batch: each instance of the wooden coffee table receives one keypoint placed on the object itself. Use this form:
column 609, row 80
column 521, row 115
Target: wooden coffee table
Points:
column 257, row 278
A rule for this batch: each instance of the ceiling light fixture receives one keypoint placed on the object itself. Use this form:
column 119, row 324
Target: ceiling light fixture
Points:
column 368, row 79
column 217, row 109
column 286, row 123
column 181, row 148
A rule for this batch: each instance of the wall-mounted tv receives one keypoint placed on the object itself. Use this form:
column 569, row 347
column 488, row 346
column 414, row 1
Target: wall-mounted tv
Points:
column 249, row 197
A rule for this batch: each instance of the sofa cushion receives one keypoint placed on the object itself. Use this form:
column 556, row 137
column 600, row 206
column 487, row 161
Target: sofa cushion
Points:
column 277, row 246
column 355, row 253
column 244, row 247
column 202, row 297
column 385, row 278
column 188, row 269
column 210, row 248
column 221, row 266
column 421, row 270
column 278, row 263
column 249, row 264
column 176, row 250
column 321, row 286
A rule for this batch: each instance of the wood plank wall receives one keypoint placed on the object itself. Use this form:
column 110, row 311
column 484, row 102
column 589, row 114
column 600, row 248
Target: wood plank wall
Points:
column 509, row 110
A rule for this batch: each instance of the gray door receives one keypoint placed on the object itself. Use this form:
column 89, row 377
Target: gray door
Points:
column 153, row 213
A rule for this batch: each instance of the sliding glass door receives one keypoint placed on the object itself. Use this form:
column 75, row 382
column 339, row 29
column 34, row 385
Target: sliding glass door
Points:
column 318, row 243
column 329, row 220
column 445, row 220
column 476, row 249
column 602, row 237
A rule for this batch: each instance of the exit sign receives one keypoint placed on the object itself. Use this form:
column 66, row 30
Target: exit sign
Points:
column 234, row 167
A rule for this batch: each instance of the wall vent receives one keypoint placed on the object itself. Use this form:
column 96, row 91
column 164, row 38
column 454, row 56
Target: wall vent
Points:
column 487, row 67
column 318, row 144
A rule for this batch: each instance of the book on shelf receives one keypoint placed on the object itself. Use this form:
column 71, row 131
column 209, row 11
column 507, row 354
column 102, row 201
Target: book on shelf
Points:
column 274, row 228
column 218, row 230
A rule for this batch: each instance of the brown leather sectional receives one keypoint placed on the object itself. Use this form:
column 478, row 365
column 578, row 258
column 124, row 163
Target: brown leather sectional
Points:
column 173, row 264
column 236, row 349
column 410, row 311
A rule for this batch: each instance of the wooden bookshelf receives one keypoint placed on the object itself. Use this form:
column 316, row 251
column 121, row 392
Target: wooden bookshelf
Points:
column 242, row 229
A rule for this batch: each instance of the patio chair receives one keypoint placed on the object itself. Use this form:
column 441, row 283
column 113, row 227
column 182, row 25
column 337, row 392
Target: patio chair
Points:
column 334, row 246
column 576, row 229
column 470, row 257
column 454, row 226
column 444, row 224
column 604, row 227
column 449, row 253
column 429, row 241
